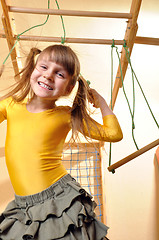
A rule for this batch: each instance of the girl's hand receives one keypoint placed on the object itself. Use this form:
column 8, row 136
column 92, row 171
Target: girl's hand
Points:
column 99, row 102
column 95, row 98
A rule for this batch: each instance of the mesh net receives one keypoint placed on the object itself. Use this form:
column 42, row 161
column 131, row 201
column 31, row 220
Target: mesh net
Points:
column 83, row 162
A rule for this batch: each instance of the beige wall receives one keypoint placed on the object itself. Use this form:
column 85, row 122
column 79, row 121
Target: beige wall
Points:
column 132, row 192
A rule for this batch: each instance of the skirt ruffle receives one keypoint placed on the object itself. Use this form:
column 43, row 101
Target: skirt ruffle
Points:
column 68, row 214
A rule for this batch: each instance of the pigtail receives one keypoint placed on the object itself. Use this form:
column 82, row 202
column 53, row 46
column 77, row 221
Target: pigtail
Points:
column 22, row 88
column 79, row 104
column 80, row 110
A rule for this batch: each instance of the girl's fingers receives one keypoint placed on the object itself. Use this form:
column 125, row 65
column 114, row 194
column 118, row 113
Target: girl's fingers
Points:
column 94, row 98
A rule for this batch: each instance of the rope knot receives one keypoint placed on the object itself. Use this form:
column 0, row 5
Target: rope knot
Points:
column 62, row 40
column 113, row 44
column 124, row 45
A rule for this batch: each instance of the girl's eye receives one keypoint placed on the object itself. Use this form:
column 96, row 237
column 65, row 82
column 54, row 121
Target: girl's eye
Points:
column 60, row 74
column 43, row 67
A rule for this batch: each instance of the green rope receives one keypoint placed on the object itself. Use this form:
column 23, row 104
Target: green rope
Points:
column 10, row 52
column 38, row 25
column 110, row 145
column 131, row 112
column 129, row 60
column 112, row 72
column 63, row 26
column 18, row 36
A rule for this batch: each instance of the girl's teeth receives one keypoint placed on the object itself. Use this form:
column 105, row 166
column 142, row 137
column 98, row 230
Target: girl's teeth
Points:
column 45, row 86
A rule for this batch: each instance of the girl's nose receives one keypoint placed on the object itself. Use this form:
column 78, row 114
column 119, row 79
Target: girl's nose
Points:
column 48, row 76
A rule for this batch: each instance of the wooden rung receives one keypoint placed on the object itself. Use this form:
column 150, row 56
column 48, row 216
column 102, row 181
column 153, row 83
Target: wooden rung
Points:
column 68, row 40
column 138, row 40
column 71, row 40
column 147, row 40
column 69, row 12
column 133, row 155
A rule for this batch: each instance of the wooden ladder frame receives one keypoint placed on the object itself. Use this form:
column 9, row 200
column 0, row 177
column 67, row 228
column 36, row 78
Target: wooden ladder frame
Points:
column 130, row 34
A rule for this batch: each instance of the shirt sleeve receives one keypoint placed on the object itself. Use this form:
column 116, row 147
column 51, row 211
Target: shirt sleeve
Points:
column 3, row 108
column 110, row 131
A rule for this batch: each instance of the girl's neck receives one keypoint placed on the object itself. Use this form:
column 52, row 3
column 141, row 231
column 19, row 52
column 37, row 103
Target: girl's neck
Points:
column 40, row 104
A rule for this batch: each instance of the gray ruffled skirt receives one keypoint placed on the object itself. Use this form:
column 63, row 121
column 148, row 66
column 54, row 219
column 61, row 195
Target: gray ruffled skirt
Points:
column 62, row 211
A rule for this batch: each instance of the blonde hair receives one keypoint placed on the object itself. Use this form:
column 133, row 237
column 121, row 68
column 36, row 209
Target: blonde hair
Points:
column 66, row 57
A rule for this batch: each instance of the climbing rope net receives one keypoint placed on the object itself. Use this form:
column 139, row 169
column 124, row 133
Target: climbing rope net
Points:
column 83, row 162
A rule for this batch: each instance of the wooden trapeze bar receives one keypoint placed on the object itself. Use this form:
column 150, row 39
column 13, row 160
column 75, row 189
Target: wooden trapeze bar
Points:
column 133, row 155
column 69, row 12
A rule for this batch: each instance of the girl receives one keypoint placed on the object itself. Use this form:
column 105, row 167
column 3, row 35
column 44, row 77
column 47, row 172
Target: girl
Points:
column 49, row 203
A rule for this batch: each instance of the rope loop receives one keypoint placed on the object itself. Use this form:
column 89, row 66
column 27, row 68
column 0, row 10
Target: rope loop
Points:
column 113, row 44
column 62, row 40
column 124, row 45
column 18, row 37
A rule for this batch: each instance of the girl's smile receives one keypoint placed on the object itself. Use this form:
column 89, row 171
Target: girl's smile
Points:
column 45, row 86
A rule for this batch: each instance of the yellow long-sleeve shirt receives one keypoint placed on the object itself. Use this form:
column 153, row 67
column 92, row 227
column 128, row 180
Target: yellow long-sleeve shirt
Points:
column 34, row 144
